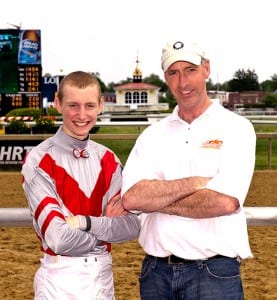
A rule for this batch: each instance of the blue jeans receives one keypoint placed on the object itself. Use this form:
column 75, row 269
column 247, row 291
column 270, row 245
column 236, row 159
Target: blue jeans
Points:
column 213, row 279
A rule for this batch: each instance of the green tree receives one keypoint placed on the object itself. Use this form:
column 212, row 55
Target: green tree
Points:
column 215, row 86
column 244, row 81
column 210, row 85
column 165, row 94
column 110, row 87
column 270, row 100
column 102, row 84
column 270, row 85
column 157, row 81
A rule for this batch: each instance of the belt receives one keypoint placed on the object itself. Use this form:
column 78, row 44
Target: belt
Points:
column 172, row 259
column 56, row 259
column 61, row 259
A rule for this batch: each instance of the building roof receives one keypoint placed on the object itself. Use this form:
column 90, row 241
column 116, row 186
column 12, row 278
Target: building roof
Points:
column 136, row 86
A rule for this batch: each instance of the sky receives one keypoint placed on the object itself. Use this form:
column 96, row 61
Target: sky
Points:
column 107, row 36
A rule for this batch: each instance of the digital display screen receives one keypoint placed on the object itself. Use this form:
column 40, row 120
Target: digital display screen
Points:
column 9, row 45
column 20, row 69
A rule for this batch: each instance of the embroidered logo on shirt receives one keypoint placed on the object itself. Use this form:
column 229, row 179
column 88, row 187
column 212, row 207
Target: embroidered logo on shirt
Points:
column 80, row 153
column 212, row 144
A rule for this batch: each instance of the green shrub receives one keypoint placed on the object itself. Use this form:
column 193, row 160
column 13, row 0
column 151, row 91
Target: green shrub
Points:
column 31, row 112
column 36, row 113
column 45, row 125
column 17, row 127
column 52, row 111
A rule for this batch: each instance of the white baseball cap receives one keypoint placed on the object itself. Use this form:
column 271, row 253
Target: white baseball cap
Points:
column 180, row 50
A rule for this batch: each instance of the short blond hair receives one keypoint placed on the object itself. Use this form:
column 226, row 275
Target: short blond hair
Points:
column 80, row 80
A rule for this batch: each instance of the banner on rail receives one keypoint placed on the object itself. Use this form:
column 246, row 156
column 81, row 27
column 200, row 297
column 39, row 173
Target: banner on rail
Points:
column 12, row 153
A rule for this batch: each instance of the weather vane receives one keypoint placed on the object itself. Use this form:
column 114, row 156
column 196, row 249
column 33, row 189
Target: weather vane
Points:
column 15, row 26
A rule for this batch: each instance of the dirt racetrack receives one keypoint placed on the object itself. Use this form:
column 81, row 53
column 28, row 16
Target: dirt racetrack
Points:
column 19, row 249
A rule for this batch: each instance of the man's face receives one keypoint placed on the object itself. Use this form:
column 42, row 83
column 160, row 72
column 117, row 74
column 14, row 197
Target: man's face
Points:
column 187, row 83
column 79, row 108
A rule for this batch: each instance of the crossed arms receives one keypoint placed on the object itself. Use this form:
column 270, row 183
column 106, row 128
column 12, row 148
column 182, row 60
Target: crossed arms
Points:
column 185, row 197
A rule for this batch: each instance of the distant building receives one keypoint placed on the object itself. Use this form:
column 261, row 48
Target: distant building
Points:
column 234, row 100
column 237, row 99
column 135, row 96
column 220, row 95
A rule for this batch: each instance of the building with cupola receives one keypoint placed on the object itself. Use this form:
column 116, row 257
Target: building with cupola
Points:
column 134, row 97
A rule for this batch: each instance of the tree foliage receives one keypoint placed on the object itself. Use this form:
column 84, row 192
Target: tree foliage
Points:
column 244, row 81
column 155, row 80
column 270, row 100
column 270, row 85
column 165, row 94
column 102, row 84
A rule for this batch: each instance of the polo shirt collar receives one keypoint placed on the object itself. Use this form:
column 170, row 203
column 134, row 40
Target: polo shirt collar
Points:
column 207, row 113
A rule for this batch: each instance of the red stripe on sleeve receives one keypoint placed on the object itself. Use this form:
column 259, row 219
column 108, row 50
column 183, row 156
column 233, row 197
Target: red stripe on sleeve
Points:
column 43, row 204
column 49, row 218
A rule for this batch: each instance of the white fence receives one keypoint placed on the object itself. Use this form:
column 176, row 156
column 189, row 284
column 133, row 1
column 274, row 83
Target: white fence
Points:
column 256, row 216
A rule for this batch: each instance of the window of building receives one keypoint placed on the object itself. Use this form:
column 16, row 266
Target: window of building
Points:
column 136, row 98
column 128, row 98
column 144, row 97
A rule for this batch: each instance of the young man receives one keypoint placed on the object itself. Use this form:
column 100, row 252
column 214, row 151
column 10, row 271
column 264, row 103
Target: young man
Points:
column 72, row 185
column 192, row 173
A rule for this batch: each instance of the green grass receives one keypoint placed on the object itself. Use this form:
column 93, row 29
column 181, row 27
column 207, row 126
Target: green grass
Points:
column 123, row 147
column 121, row 129
column 262, row 128
column 262, row 154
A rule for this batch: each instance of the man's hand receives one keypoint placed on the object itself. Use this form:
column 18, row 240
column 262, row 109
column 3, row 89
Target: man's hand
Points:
column 73, row 221
column 114, row 207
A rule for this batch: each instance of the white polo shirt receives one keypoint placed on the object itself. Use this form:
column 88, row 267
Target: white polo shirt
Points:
column 218, row 144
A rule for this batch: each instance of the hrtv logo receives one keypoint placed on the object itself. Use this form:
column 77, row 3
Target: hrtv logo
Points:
column 13, row 153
